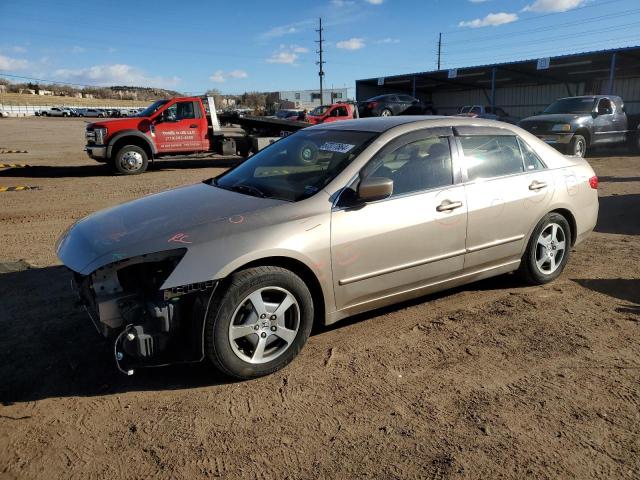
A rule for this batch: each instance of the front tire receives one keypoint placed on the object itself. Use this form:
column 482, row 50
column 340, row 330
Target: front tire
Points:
column 260, row 323
column 548, row 250
column 578, row 146
column 130, row 160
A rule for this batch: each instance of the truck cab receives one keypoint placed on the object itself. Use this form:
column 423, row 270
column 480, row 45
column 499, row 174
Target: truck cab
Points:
column 332, row 113
column 165, row 127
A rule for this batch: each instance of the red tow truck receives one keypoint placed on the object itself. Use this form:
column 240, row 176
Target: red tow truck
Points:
column 332, row 113
column 177, row 127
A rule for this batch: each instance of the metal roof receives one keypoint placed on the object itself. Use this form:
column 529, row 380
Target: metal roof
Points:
column 563, row 69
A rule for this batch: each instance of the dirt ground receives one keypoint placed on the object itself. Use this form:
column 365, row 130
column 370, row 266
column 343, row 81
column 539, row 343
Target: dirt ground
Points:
column 493, row 380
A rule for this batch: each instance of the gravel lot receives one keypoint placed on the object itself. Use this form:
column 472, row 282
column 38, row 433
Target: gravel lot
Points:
column 493, row 380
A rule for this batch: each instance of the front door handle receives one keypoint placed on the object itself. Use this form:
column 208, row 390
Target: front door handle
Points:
column 193, row 125
column 536, row 185
column 448, row 205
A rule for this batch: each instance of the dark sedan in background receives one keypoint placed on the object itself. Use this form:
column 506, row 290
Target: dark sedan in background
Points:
column 394, row 104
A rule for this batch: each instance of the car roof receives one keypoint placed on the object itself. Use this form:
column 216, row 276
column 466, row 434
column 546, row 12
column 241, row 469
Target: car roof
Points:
column 382, row 124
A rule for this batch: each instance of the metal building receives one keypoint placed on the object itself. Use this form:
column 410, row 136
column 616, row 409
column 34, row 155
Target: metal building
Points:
column 522, row 88
column 311, row 98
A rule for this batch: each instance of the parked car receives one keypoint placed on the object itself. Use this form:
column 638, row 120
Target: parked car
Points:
column 394, row 104
column 574, row 125
column 56, row 112
column 333, row 220
column 91, row 112
column 486, row 111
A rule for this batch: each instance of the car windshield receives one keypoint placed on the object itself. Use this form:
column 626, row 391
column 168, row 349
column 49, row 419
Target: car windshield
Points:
column 571, row 105
column 151, row 109
column 297, row 166
column 319, row 110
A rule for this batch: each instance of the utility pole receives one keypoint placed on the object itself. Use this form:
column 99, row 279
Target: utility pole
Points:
column 321, row 62
column 439, row 48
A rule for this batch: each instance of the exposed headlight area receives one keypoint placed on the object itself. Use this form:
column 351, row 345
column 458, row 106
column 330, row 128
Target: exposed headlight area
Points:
column 561, row 127
column 125, row 301
column 96, row 135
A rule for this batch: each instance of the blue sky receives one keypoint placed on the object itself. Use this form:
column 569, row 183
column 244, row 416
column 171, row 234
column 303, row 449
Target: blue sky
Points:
column 269, row 45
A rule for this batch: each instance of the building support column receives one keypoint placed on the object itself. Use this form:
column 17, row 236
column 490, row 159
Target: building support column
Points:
column 493, row 87
column 414, row 87
column 612, row 74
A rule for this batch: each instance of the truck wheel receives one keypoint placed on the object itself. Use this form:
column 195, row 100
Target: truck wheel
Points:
column 260, row 323
column 130, row 160
column 578, row 146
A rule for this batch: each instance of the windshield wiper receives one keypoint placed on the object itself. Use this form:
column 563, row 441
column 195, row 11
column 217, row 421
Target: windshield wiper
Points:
column 248, row 189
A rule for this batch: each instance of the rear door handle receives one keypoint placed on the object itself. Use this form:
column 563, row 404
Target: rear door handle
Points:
column 448, row 205
column 536, row 185
column 193, row 125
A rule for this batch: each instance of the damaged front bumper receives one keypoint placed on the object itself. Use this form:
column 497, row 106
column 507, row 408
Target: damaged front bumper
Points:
column 147, row 325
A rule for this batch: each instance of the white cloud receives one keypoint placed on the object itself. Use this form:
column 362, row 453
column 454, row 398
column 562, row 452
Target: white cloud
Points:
column 478, row 1
column 114, row 74
column 291, row 28
column 283, row 57
column 18, row 49
column 11, row 64
column 342, row 3
column 351, row 44
column 493, row 20
column 553, row 5
column 375, row 2
column 388, row 40
column 220, row 76
column 287, row 54
column 76, row 49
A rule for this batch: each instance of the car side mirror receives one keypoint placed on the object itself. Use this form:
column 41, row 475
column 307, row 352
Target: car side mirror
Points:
column 375, row 188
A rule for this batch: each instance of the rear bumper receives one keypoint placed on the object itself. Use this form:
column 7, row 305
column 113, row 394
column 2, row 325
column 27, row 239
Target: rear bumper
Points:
column 97, row 152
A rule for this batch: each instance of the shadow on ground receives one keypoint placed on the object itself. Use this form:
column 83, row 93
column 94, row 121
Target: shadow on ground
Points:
column 626, row 289
column 619, row 214
column 100, row 169
column 49, row 348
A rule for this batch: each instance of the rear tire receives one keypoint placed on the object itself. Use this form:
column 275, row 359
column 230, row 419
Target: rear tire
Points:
column 578, row 146
column 548, row 250
column 244, row 340
column 130, row 160
column 386, row 113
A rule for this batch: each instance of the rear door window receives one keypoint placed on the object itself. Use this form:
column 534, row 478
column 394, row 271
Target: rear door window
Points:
column 488, row 156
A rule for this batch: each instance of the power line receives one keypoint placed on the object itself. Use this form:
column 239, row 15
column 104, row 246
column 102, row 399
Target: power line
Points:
column 570, row 35
column 547, row 28
column 537, row 17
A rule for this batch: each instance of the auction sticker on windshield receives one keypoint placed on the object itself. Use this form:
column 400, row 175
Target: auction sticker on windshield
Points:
column 336, row 147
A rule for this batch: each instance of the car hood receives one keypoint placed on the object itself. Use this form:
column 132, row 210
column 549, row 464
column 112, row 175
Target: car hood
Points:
column 169, row 220
column 136, row 123
column 555, row 117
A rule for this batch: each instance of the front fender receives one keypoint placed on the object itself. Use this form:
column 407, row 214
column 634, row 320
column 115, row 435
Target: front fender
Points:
column 303, row 240
column 130, row 133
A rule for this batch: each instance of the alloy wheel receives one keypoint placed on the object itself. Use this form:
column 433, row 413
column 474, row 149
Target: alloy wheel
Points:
column 264, row 325
column 550, row 248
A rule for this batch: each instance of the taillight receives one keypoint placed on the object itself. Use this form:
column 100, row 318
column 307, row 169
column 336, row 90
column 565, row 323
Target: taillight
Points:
column 593, row 182
column 372, row 104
